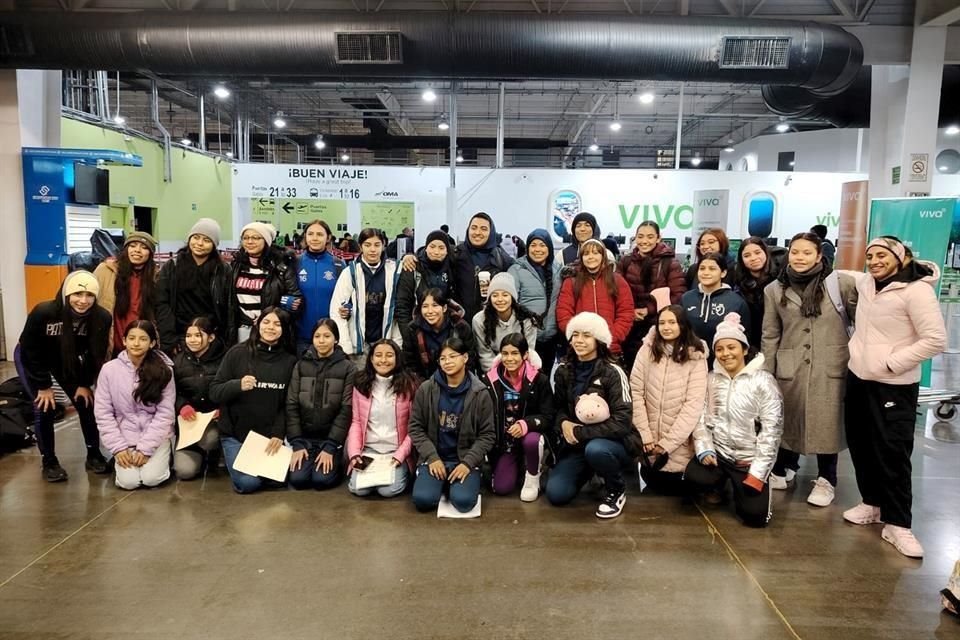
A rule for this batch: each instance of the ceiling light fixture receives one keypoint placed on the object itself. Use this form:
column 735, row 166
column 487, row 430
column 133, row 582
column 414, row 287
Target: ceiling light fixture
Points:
column 345, row 157
column 229, row 154
column 279, row 122
column 443, row 125
column 594, row 147
column 459, row 156
column 647, row 97
column 221, row 92
column 695, row 161
column 783, row 127
column 729, row 149
column 952, row 130
column 186, row 142
column 428, row 95
column 119, row 120
column 319, row 144
column 615, row 125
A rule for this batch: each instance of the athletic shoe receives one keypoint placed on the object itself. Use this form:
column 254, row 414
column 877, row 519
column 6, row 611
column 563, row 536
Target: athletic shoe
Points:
column 777, row 482
column 97, row 463
column 903, row 540
column 531, row 487
column 612, row 504
column 822, row 494
column 53, row 472
column 863, row 514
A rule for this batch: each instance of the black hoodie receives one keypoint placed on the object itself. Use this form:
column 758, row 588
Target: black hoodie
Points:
column 468, row 261
column 262, row 408
column 572, row 251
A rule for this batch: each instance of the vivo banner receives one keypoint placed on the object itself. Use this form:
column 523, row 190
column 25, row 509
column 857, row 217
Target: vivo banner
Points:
column 711, row 208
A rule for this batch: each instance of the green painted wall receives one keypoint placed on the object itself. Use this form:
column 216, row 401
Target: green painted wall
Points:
column 200, row 186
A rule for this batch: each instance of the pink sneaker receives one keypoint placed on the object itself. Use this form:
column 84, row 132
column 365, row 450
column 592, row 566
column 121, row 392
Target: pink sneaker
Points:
column 903, row 540
column 863, row 514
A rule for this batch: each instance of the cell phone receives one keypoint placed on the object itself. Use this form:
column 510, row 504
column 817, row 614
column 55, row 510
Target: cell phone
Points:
column 363, row 463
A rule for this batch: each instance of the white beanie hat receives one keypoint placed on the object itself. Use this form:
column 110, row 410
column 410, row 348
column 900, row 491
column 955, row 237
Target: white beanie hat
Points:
column 206, row 227
column 591, row 323
column 80, row 281
column 731, row 329
column 503, row 281
column 262, row 229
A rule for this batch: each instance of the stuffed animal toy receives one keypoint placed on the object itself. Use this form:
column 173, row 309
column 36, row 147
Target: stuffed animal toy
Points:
column 592, row 409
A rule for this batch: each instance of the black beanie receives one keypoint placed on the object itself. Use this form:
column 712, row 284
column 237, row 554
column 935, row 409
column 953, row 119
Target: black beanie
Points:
column 436, row 235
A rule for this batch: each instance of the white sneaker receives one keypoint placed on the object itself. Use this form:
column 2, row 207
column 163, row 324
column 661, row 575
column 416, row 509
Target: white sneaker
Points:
column 822, row 494
column 777, row 482
column 863, row 514
column 903, row 540
column 612, row 505
column 530, row 490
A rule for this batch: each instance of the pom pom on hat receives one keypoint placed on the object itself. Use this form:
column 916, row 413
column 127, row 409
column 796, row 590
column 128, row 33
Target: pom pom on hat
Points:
column 731, row 329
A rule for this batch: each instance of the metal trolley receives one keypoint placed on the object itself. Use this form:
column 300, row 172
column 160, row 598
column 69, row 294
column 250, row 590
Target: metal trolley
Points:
column 945, row 400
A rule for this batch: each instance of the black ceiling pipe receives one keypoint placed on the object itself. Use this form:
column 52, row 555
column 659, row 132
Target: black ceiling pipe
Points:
column 384, row 143
column 821, row 58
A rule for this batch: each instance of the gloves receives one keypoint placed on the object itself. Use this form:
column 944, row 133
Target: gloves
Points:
column 753, row 485
column 286, row 303
column 188, row 413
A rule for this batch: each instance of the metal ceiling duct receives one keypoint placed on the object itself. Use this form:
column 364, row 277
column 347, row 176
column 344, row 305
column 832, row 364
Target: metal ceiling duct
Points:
column 819, row 58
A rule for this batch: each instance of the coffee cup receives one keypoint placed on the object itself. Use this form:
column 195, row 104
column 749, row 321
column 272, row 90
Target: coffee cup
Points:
column 483, row 278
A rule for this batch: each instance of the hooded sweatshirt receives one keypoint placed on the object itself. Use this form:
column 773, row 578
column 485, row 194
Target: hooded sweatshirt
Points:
column 469, row 261
column 451, row 410
column 572, row 251
column 538, row 286
column 706, row 310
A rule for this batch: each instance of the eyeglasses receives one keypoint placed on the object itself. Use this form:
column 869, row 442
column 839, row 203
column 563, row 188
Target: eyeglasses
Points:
column 453, row 358
column 250, row 238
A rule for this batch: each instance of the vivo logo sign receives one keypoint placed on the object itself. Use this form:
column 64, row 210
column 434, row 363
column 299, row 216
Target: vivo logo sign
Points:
column 708, row 202
column 936, row 213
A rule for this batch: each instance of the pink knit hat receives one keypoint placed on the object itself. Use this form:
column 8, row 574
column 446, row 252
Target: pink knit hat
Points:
column 891, row 245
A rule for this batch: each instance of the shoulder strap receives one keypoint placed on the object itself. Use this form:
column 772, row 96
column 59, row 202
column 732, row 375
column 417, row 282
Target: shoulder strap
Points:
column 832, row 284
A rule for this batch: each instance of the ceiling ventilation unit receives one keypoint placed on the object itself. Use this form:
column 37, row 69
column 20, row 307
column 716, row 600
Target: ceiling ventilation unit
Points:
column 369, row 48
column 755, row 52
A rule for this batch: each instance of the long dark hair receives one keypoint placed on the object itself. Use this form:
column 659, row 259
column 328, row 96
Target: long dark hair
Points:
column 606, row 272
column 747, row 284
column 646, row 261
column 148, row 279
column 286, row 338
column 97, row 331
column 686, row 342
column 490, row 319
column 404, row 381
column 154, row 373
column 813, row 310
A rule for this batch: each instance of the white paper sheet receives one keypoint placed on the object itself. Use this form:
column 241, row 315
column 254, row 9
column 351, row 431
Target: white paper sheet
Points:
column 643, row 485
column 192, row 430
column 253, row 459
column 446, row 510
column 379, row 473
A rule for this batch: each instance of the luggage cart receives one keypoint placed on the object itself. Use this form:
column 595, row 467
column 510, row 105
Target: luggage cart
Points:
column 945, row 400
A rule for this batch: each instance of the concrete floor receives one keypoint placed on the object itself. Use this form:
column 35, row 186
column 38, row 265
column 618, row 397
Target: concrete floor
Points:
column 83, row 559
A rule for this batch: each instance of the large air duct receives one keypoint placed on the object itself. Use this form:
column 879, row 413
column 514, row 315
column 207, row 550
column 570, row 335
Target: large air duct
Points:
column 819, row 58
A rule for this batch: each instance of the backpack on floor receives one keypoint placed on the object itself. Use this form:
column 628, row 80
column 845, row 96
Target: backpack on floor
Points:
column 16, row 419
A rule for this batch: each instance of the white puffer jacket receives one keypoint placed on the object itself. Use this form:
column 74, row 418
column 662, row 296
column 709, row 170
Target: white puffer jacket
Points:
column 734, row 406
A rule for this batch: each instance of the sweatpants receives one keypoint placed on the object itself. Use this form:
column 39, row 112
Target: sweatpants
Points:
column 509, row 466
column 826, row 464
column 753, row 508
column 603, row 457
column 880, row 420
column 155, row 472
column 308, row 476
column 44, row 420
column 427, row 490
column 188, row 463
column 667, row 483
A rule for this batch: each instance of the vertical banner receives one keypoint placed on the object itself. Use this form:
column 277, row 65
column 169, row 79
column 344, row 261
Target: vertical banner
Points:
column 852, row 240
column 924, row 225
column 711, row 208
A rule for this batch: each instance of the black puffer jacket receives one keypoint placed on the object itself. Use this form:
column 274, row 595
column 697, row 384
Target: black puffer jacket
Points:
column 610, row 382
column 413, row 284
column 421, row 344
column 172, row 324
column 319, row 399
column 193, row 376
column 281, row 268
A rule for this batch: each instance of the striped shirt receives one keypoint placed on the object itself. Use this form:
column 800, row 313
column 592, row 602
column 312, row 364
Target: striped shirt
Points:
column 250, row 281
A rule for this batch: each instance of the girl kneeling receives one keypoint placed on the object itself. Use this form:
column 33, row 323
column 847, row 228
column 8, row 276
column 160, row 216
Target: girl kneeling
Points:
column 382, row 396
column 524, row 413
column 729, row 447
column 134, row 408
column 452, row 428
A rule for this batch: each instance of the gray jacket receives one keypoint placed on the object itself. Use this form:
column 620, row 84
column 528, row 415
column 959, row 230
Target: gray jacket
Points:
column 734, row 406
column 477, row 433
column 532, row 294
column 487, row 353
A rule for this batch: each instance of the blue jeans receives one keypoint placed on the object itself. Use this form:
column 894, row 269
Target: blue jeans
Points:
column 427, row 490
column 400, row 479
column 309, row 477
column 242, row 482
column 606, row 458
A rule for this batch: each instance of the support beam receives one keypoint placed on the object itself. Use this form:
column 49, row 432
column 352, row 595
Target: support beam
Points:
column 77, row 5
column 395, row 113
column 189, row 5
column 231, row 5
column 938, row 14
column 626, row 3
column 684, row 7
column 598, row 102
column 730, row 6
column 536, row 6
column 842, row 8
column 756, row 7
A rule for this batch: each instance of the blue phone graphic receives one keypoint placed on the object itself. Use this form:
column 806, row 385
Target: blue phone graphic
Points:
column 760, row 207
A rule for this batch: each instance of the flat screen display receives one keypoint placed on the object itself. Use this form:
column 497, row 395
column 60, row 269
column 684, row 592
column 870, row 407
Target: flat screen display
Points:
column 91, row 184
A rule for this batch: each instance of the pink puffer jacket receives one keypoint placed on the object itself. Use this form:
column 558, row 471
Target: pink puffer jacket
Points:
column 356, row 437
column 896, row 328
column 668, row 400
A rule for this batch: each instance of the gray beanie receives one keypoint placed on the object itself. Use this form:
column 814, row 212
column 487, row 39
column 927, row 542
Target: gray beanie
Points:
column 503, row 281
column 206, row 227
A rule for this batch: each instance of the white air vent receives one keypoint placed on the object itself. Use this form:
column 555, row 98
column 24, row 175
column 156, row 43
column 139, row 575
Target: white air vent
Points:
column 370, row 47
column 754, row 52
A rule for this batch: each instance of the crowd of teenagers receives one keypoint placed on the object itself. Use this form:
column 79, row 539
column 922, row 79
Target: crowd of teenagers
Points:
column 715, row 382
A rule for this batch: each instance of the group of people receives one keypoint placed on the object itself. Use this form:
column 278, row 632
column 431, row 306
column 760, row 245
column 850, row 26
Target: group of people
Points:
column 445, row 361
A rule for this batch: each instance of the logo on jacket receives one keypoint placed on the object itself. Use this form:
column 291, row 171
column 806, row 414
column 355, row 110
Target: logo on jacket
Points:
column 718, row 309
column 889, row 405
column 328, row 275
column 303, row 275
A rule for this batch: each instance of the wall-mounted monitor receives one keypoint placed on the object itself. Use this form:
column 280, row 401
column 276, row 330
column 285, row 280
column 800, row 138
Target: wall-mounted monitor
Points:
column 91, row 184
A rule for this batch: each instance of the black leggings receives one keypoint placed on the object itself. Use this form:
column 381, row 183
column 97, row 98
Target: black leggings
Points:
column 753, row 508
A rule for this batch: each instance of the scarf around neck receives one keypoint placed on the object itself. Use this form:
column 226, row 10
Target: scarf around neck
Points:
column 807, row 285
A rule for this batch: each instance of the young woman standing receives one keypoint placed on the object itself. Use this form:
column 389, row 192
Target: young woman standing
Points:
column 196, row 282
column 263, row 276
column 524, row 414
column 537, row 276
column 668, row 385
column 753, row 272
column 738, row 437
column 317, row 274
column 651, row 265
column 364, row 301
column 318, row 410
column 65, row 339
column 712, row 299
column 501, row 316
column 433, row 271
column 135, row 409
column 710, row 241
column 433, row 325
column 586, row 449
column 382, row 398
column 595, row 288
column 805, row 348
column 251, row 389
column 194, row 369
column 128, row 285
column 452, row 427
column 898, row 326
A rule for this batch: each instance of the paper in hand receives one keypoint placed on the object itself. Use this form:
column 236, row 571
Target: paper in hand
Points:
column 253, row 459
column 379, row 473
column 192, row 430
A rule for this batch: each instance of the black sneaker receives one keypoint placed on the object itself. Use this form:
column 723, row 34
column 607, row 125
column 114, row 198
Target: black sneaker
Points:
column 97, row 463
column 53, row 472
column 612, row 504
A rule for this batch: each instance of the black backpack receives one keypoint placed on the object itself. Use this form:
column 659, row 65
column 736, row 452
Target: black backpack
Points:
column 16, row 420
